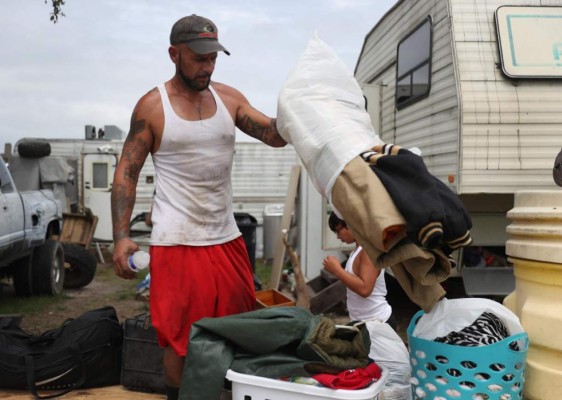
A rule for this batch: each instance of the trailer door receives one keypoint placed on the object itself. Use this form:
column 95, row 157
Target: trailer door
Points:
column 98, row 181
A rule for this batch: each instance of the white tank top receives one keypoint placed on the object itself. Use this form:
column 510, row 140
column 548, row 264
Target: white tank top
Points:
column 193, row 200
column 374, row 307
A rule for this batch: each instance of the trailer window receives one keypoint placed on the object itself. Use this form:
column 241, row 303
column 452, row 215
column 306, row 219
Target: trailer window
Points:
column 101, row 178
column 530, row 41
column 413, row 64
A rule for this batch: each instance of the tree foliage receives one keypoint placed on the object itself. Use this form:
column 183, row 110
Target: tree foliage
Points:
column 57, row 10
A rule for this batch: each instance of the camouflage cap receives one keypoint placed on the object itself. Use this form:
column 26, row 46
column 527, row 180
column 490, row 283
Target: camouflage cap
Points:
column 198, row 33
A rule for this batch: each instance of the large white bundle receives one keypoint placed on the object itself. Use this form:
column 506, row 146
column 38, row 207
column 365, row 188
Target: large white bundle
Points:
column 321, row 112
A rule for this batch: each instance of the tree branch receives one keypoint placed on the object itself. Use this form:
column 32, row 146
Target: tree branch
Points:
column 57, row 10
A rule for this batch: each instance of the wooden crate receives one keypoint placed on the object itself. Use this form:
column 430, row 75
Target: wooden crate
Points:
column 78, row 228
column 325, row 293
column 272, row 298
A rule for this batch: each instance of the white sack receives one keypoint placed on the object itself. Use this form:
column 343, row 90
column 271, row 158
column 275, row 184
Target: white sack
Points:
column 321, row 112
column 455, row 314
column 389, row 351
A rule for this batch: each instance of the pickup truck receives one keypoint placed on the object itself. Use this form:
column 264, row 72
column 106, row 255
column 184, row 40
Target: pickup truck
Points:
column 28, row 254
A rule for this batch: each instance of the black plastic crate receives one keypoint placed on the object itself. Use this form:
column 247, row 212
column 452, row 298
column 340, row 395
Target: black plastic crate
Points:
column 142, row 368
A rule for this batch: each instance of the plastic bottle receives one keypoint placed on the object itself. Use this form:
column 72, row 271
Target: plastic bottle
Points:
column 139, row 260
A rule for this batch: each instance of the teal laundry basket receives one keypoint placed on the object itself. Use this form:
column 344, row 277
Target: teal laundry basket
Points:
column 448, row 372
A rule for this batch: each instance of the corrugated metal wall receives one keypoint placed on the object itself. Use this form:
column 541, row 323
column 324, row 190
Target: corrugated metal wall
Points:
column 260, row 176
column 432, row 123
column 511, row 129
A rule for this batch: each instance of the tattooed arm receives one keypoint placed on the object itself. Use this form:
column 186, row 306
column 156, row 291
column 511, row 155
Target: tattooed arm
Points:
column 135, row 150
column 248, row 119
column 259, row 126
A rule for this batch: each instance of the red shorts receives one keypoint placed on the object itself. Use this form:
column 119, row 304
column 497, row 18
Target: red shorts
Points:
column 188, row 283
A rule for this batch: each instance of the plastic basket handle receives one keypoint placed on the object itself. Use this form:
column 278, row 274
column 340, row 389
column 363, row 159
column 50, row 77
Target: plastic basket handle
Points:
column 414, row 321
column 522, row 336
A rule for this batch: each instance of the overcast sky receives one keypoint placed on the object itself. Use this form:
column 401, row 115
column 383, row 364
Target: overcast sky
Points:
column 94, row 64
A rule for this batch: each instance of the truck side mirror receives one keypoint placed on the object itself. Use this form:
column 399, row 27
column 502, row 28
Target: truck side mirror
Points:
column 557, row 170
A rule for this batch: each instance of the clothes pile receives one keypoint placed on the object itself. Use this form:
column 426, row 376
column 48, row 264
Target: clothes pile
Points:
column 274, row 342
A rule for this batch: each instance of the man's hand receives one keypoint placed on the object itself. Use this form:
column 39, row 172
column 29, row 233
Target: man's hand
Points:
column 123, row 248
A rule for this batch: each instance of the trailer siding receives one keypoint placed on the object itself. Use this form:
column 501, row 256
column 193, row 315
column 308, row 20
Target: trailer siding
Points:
column 510, row 128
column 432, row 123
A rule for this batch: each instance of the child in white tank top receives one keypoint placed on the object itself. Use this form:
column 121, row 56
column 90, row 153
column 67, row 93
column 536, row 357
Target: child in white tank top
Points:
column 366, row 288
column 366, row 301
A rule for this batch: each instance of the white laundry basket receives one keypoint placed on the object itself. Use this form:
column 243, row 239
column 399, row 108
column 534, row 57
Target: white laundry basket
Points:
column 250, row 387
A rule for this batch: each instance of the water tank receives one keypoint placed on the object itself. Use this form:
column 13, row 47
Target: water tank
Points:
column 535, row 249
column 272, row 216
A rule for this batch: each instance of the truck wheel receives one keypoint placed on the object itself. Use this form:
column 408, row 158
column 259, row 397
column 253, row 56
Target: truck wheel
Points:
column 48, row 268
column 80, row 265
column 34, row 148
column 21, row 273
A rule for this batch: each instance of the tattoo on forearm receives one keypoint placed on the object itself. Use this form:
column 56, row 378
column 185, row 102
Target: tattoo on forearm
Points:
column 132, row 172
column 135, row 149
column 267, row 134
column 123, row 194
column 122, row 202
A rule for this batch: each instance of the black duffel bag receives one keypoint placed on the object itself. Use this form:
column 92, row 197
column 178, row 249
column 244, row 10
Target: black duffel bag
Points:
column 83, row 352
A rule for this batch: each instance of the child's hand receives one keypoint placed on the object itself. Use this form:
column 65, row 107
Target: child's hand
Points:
column 332, row 265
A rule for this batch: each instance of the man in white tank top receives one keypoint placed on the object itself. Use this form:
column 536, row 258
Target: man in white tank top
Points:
column 199, row 265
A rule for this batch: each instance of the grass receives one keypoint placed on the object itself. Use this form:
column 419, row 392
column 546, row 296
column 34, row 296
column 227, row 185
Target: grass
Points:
column 29, row 305
column 124, row 290
column 263, row 271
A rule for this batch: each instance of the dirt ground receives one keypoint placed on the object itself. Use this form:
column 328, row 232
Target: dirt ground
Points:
column 105, row 289
column 108, row 289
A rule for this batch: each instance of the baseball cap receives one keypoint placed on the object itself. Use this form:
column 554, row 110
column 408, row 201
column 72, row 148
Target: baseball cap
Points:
column 198, row 33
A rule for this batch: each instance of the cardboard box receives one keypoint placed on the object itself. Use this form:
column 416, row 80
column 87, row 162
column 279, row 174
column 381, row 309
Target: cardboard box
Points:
column 272, row 298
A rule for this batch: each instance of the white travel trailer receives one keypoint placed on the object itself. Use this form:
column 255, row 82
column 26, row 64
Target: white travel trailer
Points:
column 260, row 175
column 476, row 86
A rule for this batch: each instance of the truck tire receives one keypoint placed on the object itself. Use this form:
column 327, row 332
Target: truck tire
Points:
column 80, row 265
column 34, row 148
column 48, row 268
column 21, row 274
